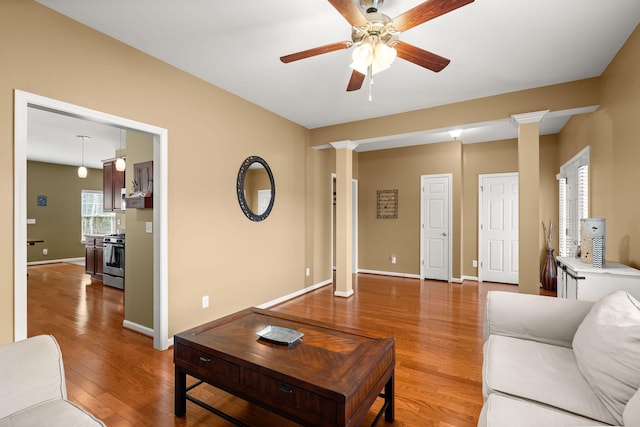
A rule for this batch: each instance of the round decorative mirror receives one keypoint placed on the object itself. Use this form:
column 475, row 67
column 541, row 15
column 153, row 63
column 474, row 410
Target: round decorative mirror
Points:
column 256, row 188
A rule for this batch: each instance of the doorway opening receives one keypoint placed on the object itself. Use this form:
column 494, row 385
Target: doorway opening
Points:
column 22, row 102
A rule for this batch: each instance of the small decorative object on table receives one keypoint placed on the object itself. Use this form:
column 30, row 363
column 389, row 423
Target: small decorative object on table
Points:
column 280, row 335
column 548, row 274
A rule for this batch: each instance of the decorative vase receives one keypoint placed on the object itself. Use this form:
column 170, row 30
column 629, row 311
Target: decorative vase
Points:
column 548, row 274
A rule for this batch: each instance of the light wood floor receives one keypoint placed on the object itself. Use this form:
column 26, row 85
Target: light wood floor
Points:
column 116, row 374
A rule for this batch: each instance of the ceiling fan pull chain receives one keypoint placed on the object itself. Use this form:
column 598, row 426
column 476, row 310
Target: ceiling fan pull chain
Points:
column 370, row 75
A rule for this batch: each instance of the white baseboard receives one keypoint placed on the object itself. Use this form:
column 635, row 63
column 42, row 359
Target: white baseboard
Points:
column 295, row 294
column 470, row 278
column 138, row 328
column 343, row 294
column 390, row 273
column 54, row 261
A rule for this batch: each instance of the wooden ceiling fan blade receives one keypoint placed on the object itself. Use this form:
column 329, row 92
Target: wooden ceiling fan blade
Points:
column 315, row 51
column 421, row 57
column 355, row 82
column 425, row 12
column 350, row 11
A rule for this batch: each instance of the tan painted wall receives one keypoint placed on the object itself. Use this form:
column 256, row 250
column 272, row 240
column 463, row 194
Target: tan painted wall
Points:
column 401, row 169
column 211, row 243
column 59, row 223
column 556, row 97
column 612, row 132
column 138, row 287
column 484, row 158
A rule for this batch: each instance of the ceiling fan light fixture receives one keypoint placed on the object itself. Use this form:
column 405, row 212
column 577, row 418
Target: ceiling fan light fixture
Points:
column 384, row 56
column 379, row 57
column 362, row 57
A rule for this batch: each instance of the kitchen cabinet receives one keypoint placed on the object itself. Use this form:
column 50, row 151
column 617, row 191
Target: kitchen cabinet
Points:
column 578, row 280
column 142, row 186
column 93, row 254
column 112, row 186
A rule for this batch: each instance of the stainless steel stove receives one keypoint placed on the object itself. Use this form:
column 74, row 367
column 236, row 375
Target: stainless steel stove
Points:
column 113, row 274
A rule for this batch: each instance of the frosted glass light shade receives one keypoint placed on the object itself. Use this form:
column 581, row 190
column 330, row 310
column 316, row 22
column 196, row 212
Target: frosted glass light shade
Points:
column 82, row 172
column 121, row 165
column 379, row 58
column 384, row 56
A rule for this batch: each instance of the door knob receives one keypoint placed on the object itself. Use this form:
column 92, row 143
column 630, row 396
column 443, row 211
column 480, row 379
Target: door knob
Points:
column 444, row 234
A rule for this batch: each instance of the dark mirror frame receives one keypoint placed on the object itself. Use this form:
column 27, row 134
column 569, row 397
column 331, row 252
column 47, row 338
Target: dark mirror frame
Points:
column 242, row 173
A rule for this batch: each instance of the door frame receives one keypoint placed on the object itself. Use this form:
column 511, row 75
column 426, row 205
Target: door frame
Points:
column 354, row 223
column 24, row 100
column 423, row 217
column 481, row 177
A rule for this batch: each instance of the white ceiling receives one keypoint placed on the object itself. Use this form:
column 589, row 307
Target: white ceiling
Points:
column 495, row 46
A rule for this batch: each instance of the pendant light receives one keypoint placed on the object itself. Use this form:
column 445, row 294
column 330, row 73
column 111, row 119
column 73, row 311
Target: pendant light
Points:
column 82, row 171
column 121, row 165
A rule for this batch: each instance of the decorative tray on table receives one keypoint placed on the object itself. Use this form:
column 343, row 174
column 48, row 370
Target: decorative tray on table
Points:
column 280, row 335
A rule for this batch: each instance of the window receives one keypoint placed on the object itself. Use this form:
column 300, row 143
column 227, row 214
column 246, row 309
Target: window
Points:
column 94, row 219
column 574, row 201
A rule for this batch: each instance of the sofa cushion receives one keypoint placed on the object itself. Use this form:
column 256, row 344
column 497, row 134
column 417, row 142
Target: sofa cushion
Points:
column 508, row 411
column 540, row 372
column 31, row 371
column 607, row 349
column 631, row 414
column 55, row 413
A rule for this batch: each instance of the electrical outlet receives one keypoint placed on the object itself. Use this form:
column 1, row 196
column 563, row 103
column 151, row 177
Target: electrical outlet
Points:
column 475, row 263
column 205, row 301
column 307, row 272
column 148, row 227
column 45, row 252
column 393, row 259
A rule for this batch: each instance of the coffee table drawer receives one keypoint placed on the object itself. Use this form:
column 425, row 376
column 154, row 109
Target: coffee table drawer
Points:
column 210, row 366
column 291, row 399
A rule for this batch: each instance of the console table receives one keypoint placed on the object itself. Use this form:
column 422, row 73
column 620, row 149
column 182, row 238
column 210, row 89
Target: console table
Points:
column 577, row 280
column 330, row 377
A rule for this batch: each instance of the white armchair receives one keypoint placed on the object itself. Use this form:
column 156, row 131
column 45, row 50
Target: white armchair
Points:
column 33, row 388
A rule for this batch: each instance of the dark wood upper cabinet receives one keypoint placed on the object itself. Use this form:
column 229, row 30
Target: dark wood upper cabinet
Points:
column 112, row 185
column 142, row 186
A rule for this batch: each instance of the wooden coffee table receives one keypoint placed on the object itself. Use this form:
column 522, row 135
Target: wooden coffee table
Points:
column 330, row 377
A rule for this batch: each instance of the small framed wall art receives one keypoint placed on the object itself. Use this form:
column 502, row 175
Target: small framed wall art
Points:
column 42, row 200
column 387, row 204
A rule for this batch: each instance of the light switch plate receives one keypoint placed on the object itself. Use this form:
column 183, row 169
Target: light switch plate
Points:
column 149, row 227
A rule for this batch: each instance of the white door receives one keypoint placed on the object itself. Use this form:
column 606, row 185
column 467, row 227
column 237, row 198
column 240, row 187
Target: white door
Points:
column 435, row 239
column 498, row 228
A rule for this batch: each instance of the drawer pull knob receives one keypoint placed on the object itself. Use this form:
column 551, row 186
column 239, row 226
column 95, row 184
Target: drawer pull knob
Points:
column 205, row 358
column 285, row 389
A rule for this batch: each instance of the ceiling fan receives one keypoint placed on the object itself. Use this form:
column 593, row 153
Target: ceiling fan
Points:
column 376, row 37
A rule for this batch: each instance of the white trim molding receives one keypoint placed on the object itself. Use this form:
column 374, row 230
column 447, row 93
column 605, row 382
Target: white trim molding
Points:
column 524, row 118
column 350, row 145
column 295, row 294
column 390, row 273
column 137, row 328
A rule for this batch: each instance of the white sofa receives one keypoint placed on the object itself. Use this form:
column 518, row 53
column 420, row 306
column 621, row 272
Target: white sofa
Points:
column 33, row 388
column 560, row 363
